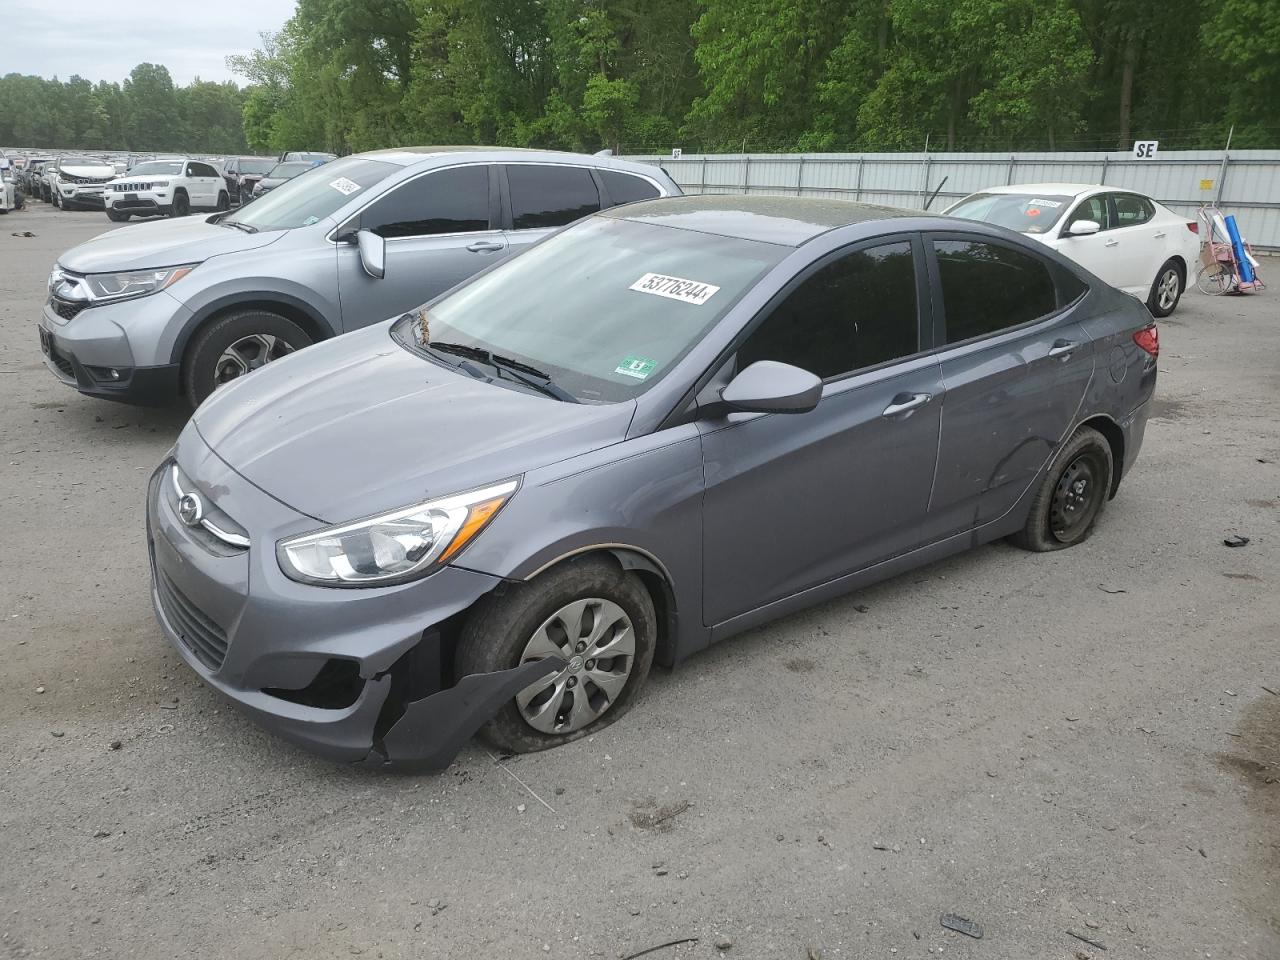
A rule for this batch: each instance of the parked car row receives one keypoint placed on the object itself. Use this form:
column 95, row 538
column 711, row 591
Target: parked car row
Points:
column 514, row 483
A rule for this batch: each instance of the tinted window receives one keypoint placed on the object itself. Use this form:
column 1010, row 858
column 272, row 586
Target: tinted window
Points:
column 550, row 196
column 855, row 312
column 203, row 170
column 986, row 287
column 1095, row 209
column 451, row 201
column 624, row 188
column 1131, row 210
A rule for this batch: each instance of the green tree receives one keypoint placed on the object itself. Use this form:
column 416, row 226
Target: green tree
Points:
column 152, row 108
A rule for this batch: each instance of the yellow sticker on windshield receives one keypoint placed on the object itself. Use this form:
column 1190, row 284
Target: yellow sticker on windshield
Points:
column 675, row 288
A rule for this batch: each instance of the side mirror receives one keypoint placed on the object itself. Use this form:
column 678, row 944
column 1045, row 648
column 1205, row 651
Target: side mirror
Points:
column 373, row 253
column 1083, row 228
column 771, row 387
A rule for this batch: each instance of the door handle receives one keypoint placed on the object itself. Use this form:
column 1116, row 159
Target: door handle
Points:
column 904, row 402
column 1160, row 236
column 484, row 246
column 1063, row 348
column 1111, row 243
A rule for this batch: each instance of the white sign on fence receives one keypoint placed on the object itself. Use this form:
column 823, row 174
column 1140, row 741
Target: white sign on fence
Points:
column 675, row 153
column 1145, row 149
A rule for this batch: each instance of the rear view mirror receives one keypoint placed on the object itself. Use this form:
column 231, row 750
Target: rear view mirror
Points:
column 771, row 387
column 373, row 253
column 1083, row 228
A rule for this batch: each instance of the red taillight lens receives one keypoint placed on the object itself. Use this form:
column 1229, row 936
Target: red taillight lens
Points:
column 1193, row 227
column 1148, row 338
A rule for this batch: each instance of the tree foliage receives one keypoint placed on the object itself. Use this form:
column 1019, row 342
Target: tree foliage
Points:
column 346, row 75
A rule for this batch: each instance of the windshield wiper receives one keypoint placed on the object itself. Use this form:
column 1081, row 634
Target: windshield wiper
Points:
column 247, row 228
column 524, row 373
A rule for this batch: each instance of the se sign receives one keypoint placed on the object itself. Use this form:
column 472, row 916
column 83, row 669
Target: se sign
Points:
column 1145, row 149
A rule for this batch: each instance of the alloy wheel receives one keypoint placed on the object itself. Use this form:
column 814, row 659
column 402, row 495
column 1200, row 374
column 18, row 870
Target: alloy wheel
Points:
column 598, row 640
column 1167, row 289
column 246, row 355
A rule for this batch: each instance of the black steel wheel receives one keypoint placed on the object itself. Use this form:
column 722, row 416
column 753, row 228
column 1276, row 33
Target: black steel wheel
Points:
column 1071, row 495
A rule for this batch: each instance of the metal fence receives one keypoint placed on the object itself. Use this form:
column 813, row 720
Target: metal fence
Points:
column 1243, row 182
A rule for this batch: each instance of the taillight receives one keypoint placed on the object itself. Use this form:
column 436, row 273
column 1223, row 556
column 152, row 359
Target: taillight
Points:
column 1148, row 338
column 1193, row 227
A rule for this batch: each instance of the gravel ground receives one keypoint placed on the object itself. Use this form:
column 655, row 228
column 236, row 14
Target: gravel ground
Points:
column 1080, row 741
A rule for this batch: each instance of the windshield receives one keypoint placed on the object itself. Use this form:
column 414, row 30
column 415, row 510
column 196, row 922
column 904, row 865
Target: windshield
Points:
column 286, row 170
column 256, row 166
column 605, row 309
column 79, row 162
column 314, row 195
column 161, row 168
column 1024, row 212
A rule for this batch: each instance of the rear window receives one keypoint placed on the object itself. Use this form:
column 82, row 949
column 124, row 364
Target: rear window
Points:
column 1024, row 212
column 625, row 188
column 550, row 196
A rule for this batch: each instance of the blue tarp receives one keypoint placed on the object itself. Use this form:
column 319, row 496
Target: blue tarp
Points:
column 1243, row 264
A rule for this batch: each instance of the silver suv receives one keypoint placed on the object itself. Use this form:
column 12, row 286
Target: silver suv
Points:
column 155, row 312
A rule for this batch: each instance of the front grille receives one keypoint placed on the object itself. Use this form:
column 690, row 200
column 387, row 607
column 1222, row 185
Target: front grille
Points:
column 62, row 363
column 198, row 633
column 67, row 309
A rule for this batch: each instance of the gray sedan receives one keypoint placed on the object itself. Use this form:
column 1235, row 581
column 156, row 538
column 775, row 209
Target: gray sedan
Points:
column 659, row 427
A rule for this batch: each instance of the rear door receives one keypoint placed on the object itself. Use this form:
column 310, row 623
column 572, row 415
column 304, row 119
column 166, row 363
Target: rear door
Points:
column 1142, row 248
column 794, row 501
column 540, row 198
column 1015, row 365
column 439, row 229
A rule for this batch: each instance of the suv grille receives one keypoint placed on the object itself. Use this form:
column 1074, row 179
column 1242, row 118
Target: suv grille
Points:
column 66, row 309
column 199, row 634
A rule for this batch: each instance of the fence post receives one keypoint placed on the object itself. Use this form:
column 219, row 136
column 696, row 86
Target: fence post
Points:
column 1102, row 178
column 800, row 176
column 702, row 188
column 746, row 173
column 858, row 187
column 1222, row 170
column 1009, row 177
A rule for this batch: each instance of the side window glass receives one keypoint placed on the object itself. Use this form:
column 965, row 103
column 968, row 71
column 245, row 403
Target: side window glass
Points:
column 624, row 188
column 450, row 201
column 1095, row 208
column 547, row 196
column 987, row 288
column 857, row 311
column 1131, row 210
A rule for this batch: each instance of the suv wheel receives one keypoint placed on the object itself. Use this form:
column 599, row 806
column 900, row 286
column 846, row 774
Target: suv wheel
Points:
column 181, row 205
column 116, row 216
column 235, row 345
column 593, row 614
column 224, row 202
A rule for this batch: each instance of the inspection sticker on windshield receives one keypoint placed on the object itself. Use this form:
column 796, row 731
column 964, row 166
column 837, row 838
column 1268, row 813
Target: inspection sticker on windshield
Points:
column 638, row 367
column 1055, row 204
column 675, row 288
column 344, row 186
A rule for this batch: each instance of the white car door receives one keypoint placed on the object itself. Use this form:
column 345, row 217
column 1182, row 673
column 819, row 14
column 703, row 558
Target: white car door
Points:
column 1095, row 252
column 1147, row 240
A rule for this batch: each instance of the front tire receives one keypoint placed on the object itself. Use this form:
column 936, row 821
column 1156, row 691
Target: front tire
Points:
column 235, row 345
column 224, row 202
column 1072, row 495
column 1166, row 290
column 116, row 217
column 591, row 613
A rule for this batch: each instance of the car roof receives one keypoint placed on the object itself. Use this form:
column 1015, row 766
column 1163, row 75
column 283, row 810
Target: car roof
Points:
column 411, row 156
column 1059, row 189
column 789, row 221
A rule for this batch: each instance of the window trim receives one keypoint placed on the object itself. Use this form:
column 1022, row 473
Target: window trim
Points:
column 606, row 200
column 940, row 305
column 336, row 235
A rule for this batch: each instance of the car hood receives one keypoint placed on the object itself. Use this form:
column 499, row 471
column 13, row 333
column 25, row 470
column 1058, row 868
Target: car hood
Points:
column 161, row 243
column 88, row 170
column 359, row 425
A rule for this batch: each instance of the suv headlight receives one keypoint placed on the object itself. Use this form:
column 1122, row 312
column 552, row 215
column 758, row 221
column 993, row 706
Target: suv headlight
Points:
column 134, row 283
column 394, row 547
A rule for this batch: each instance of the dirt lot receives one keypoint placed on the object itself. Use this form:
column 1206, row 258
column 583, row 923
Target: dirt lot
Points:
column 1077, row 741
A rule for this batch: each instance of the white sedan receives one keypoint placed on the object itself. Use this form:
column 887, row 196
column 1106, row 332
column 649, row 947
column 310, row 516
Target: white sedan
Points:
column 1125, row 238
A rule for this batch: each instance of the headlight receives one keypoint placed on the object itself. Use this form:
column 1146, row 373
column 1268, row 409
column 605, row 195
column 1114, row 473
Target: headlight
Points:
column 395, row 547
column 135, row 283
column 159, row 184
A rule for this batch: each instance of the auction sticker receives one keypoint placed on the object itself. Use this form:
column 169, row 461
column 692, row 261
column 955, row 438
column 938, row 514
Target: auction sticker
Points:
column 1055, row 204
column 344, row 186
column 675, row 288
column 638, row 367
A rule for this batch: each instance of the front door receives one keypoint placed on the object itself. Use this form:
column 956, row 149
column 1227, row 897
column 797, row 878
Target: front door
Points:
column 438, row 229
column 1099, row 252
column 795, row 500
column 1016, row 370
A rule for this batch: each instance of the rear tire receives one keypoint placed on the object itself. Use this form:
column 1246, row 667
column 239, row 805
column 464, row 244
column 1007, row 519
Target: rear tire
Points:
column 181, row 205
column 502, row 631
column 234, row 345
column 1072, row 495
column 1166, row 290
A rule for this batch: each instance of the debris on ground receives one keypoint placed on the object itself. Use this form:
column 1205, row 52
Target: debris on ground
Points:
column 1274, row 693
column 661, row 946
column 723, row 943
column 961, row 925
column 114, row 745
column 1235, row 540
column 435, row 905
column 1106, row 590
column 57, row 733
column 659, row 819
column 861, row 608
column 1083, row 939
column 814, row 952
column 23, row 233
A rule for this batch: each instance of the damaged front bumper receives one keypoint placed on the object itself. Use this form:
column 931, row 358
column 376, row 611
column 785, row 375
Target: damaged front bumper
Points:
column 358, row 676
